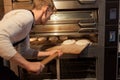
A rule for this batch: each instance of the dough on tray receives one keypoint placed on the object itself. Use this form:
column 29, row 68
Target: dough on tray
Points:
column 53, row 39
column 63, row 38
column 68, row 42
column 42, row 39
column 82, row 42
column 33, row 39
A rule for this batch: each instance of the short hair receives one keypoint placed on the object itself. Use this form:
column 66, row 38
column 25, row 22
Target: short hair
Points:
column 38, row 4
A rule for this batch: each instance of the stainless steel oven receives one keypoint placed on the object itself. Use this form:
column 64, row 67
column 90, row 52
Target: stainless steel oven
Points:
column 95, row 20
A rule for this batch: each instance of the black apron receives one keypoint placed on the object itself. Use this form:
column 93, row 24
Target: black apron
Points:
column 6, row 73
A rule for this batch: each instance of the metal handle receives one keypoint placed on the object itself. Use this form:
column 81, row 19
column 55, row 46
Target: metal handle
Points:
column 87, row 1
column 87, row 24
column 50, row 58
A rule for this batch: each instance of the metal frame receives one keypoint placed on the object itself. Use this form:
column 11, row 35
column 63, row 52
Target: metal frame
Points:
column 105, row 51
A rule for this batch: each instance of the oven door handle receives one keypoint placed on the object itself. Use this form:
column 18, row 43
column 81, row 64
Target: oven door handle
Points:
column 84, row 25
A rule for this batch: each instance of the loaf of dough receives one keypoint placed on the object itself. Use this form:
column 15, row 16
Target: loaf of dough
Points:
column 63, row 38
column 33, row 39
column 82, row 42
column 68, row 42
column 42, row 39
column 53, row 39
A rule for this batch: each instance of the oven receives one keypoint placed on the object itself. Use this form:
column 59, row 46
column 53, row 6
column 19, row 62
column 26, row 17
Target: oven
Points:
column 94, row 20
column 69, row 23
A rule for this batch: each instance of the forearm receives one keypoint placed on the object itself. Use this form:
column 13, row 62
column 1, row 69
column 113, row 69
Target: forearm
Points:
column 19, row 60
column 32, row 67
column 41, row 53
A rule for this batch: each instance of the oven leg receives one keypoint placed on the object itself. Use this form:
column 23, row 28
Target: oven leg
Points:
column 58, row 68
column 100, row 68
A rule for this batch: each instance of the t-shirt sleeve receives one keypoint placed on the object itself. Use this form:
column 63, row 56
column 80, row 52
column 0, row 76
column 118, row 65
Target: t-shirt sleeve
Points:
column 7, row 50
column 11, row 30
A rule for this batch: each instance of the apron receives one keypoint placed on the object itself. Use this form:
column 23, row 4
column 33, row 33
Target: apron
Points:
column 7, row 74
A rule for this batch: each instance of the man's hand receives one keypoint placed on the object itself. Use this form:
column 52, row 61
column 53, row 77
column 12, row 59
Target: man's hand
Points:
column 55, row 51
column 35, row 67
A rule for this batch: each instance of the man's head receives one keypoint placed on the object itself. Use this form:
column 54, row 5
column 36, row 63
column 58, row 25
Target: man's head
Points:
column 38, row 4
column 43, row 9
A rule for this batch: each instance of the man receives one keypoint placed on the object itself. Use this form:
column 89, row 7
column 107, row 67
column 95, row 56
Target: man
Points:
column 15, row 27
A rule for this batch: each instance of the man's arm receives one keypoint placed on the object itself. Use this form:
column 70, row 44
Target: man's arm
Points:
column 33, row 67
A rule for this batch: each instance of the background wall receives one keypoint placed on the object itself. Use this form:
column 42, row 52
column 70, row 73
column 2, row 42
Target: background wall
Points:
column 1, row 9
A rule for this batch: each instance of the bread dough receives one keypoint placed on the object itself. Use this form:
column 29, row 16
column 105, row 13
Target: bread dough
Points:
column 33, row 39
column 82, row 42
column 53, row 39
column 68, row 42
column 62, row 38
column 41, row 40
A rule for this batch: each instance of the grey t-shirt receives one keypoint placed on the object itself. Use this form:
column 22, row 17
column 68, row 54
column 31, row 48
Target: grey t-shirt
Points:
column 14, row 27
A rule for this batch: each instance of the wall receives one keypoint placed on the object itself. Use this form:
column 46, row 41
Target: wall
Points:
column 1, row 9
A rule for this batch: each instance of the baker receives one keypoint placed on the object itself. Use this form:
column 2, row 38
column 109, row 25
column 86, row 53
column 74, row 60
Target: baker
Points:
column 15, row 27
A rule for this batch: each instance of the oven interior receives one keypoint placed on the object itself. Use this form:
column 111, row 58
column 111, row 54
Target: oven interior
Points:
column 65, row 25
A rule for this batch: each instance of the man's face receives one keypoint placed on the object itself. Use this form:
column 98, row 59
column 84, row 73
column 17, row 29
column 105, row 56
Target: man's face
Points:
column 46, row 15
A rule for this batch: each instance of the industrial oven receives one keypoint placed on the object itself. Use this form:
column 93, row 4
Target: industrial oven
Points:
column 95, row 20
